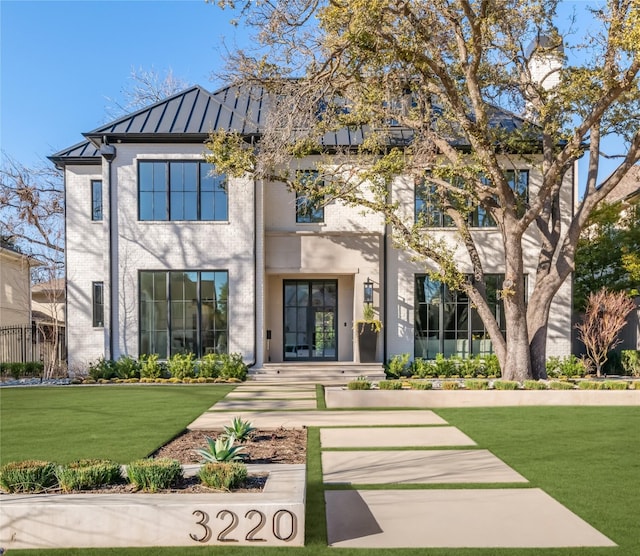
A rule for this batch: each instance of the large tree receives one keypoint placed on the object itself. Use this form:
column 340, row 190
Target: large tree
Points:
column 420, row 82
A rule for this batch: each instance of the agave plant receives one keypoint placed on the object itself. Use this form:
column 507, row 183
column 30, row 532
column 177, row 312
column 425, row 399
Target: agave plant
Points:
column 239, row 429
column 221, row 449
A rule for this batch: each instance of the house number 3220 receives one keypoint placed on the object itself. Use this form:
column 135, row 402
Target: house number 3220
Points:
column 283, row 526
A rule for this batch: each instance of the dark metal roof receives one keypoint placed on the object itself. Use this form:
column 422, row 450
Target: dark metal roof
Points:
column 193, row 112
column 189, row 116
column 81, row 153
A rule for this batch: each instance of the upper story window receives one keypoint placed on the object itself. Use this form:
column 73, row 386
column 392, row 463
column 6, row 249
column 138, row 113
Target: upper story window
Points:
column 96, row 200
column 183, row 190
column 309, row 209
column 430, row 213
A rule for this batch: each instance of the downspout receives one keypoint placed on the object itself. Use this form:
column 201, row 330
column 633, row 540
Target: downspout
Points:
column 385, row 276
column 108, row 152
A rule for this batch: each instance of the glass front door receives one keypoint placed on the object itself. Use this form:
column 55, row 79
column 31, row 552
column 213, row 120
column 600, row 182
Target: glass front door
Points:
column 310, row 320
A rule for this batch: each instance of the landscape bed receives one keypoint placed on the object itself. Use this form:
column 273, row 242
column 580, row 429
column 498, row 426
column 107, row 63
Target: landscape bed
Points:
column 271, row 517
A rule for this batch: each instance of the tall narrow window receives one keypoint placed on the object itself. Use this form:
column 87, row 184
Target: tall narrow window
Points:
column 309, row 208
column 97, row 296
column 183, row 312
column 96, row 200
column 177, row 191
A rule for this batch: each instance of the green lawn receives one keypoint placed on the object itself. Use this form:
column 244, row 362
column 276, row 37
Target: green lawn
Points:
column 122, row 423
column 587, row 458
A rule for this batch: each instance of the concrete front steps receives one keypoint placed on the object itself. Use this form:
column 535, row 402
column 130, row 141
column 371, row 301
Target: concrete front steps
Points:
column 337, row 372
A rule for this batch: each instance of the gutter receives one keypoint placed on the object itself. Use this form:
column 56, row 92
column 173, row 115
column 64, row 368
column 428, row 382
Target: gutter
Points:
column 108, row 152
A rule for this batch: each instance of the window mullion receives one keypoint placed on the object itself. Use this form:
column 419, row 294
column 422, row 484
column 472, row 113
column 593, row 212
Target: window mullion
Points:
column 168, row 297
column 168, row 189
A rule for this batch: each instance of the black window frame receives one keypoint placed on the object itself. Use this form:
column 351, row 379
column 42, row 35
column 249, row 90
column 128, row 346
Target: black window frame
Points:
column 308, row 210
column 97, row 304
column 210, row 337
column 446, row 303
column 97, row 209
column 167, row 192
column 430, row 213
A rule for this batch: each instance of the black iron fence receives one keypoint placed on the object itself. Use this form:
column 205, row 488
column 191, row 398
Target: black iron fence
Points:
column 40, row 342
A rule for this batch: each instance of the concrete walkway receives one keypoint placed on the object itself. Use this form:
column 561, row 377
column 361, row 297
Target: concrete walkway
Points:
column 410, row 447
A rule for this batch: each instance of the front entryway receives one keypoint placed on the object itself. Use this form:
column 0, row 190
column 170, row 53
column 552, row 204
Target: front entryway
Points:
column 310, row 320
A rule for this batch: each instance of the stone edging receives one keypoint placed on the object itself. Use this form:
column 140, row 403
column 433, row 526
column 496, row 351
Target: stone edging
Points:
column 338, row 397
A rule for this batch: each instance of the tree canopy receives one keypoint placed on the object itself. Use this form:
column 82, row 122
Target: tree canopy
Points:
column 419, row 85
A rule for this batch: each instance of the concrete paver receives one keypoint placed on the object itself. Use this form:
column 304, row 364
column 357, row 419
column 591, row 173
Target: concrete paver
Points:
column 319, row 418
column 524, row 517
column 270, row 395
column 235, row 405
column 417, row 466
column 394, row 437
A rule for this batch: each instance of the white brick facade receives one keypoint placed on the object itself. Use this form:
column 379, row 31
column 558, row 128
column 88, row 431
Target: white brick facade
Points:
column 262, row 248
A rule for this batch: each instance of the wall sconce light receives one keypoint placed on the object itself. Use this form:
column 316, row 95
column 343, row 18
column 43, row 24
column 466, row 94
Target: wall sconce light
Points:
column 368, row 291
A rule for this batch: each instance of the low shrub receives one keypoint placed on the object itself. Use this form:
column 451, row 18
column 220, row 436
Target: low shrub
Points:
column 127, row 367
column 534, row 385
column 420, row 385
column 232, row 367
column 450, row 385
column 630, row 360
column 28, row 476
column 102, row 369
column 616, row 385
column 359, row 384
column 398, row 366
column 591, row 385
column 19, row 370
column 181, row 365
column 560, row 385
column 424, row 368
column 506, row 384
column 86, row 474
column 150, row 367
column 445, row 367
column 390, row 385
column 151, row 475
column 209, row 366
column 570, row 367
column 223, row 476
column 476, row 384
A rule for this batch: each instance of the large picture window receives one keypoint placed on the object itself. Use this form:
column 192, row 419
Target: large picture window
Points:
column 430, row 212
column 173, row 190
column 447, row 323
column 183, row 312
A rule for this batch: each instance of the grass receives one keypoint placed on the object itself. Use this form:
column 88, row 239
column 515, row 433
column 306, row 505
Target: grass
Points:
column 587, row 458
column 121, row 423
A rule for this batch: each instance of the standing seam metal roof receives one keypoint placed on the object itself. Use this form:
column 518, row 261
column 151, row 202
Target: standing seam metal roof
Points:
column 193, row 113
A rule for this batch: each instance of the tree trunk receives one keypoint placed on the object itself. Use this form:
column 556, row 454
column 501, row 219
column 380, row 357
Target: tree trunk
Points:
column 517, row 365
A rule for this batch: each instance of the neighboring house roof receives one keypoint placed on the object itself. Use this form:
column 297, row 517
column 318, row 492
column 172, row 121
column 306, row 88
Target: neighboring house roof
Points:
column 14, row 254
column 50, row 288
column 628, row 188
column 194, row 113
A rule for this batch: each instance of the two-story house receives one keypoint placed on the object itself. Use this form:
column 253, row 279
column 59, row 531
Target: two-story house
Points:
column 164, row 255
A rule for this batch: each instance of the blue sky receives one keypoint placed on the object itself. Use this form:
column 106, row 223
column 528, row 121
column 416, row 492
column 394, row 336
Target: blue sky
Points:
column 62, row 60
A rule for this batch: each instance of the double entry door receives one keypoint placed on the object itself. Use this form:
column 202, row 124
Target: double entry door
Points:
column 310, row 320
